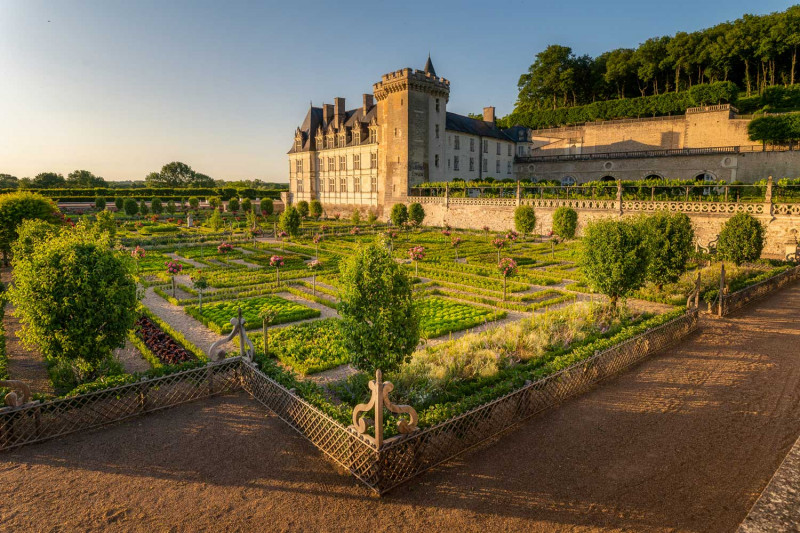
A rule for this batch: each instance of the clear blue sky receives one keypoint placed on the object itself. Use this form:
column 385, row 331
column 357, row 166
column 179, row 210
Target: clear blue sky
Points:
column 122, row 87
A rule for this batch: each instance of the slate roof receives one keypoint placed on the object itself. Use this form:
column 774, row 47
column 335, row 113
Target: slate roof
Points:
column 474, row 126
column 314, row 119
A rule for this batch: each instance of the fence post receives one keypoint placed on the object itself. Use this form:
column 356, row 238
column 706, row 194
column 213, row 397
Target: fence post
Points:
column 768, row 197
column 619, row 196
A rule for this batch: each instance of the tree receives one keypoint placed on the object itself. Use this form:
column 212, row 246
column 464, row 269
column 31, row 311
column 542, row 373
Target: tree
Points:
column 315, row 209
column 379, row 325
column 194, row 202
column 416, row 213
column 303, row 208
column 267, row 207
column 105, row 223
column 290, row 221
column 19, row 206
column 741, row 239
column 143, row 209
column 215, row 220
column 525, row 219
column 399, row 214
column 551, row 77
column 170, row 207
column 565, row 222
column 156, row 206
column 99, row 202
column 175, row 174
column 48, row 180
column 84, row 179
column 119, row 202
column 355, row 218
column 247, row 205
column 201, row 180
column 85, row 315
column 668, row 238
column 233, row 205
column 214, row 202
column 7, row 181
column 131, row 207
column 614, row 258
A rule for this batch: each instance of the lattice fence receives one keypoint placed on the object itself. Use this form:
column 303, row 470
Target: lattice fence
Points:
column 33, row 423
column 735, row 301
column 407, row 457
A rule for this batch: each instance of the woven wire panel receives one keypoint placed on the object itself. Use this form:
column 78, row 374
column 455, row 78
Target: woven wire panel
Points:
column 342, row 444
column 34, row 423
column 739, row 299
column 407, row 457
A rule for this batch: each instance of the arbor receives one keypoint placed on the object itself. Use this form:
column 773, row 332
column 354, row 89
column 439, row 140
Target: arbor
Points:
column 614, row 258
column 131, row 207
column 85, row 315
column 315, row 209
column 668, row 238
column 18, row 206
column 290, row 221
column 379, row 326
column 525, row 219
column 399, row 214
column 303, row 208
column 416, row 213
column 48, row 180
column 741, row 239
column 565, row 222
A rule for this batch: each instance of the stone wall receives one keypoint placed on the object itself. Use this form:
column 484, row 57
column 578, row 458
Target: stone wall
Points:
column 782, row 225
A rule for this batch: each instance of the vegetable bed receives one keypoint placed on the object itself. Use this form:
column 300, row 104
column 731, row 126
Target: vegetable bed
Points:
column 165, row 348
column 307, row 348
column 217, row 316
column 439, row 316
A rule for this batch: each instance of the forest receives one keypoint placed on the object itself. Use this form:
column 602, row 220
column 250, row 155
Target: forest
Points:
column 755, row 52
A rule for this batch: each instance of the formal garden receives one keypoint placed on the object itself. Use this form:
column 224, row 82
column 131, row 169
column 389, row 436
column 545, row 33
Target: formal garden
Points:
column 454, row 319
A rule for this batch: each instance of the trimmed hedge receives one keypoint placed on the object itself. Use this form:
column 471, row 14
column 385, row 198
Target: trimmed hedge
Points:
column 645, row 106
column 147, row 193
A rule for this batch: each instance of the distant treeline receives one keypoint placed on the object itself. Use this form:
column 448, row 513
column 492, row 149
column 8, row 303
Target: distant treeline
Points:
column 147, row 193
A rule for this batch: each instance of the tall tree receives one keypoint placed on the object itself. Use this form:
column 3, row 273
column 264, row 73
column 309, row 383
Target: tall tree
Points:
column 85, row 179
column 7, row 181
column 48, row 180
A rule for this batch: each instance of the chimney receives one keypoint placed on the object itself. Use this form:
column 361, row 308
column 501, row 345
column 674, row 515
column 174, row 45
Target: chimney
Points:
column 338, row 110
column 327, row 113
column 488, row 114
column 367, row 102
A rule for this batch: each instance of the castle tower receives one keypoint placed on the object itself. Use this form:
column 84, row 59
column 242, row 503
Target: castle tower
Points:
column 412, row 110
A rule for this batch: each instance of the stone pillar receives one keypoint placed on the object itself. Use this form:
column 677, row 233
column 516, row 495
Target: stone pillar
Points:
column 446, row 195
column 619, row 196
column 286, row 198
column 768, row 207
column 519, row 194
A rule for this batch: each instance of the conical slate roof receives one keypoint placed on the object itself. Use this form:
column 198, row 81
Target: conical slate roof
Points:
column 429, row 67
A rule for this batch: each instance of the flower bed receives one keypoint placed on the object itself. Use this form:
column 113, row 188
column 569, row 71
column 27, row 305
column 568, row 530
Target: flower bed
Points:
column 439, row 316
column 166, row 349
column 217, row 315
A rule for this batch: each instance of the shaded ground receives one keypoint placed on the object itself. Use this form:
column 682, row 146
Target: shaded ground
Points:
column 685, row 441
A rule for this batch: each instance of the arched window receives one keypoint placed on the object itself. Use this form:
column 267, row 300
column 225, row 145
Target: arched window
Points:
column 608, row 178
column 568, row 181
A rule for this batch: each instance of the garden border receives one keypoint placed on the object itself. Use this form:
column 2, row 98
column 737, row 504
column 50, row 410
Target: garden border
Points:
column 739, row 299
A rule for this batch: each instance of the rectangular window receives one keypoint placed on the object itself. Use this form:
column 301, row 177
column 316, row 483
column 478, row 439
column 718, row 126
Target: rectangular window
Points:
column 437, row 131
column 437, row 105
column 356, row 162
column 457, row 143
column 299, row 185
column 448, row 163
column 373, row 135
column 331, row 165
column 485, row 146
column 472, row 164
column 509, row 168
column 331, row 185
column 342, row 162
column 498, row 148
column 509, row 149
column 373, row 160
column 356, row 184
column 373, row 184
column 455, row 162
column 485, row 165
column 472, row 145
column 298, row 166
column 319, row 164
column 342, row 184
column 436, row 160
column 497, row 166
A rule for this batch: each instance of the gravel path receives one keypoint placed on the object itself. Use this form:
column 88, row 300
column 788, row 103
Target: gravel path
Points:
column 131, row 358
column 176, row 257
column 194, row 331
column 245, row 263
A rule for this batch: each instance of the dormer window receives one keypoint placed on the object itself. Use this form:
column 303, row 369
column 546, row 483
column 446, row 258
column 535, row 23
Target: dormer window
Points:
column 357, row 137
column 373, row 135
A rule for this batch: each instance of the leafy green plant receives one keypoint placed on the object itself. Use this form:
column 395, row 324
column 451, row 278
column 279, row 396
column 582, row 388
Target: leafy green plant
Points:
column 525, row 219
column 741, row 239
column 565, row 222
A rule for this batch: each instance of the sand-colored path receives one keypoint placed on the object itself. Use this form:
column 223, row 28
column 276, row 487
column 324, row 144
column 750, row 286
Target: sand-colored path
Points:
column 683, row 442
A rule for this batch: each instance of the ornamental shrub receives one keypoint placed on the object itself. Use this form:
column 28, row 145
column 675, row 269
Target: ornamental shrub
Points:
column 247, row 205
column 171, row 207
column 614, row 258
column 290, row 221
column 565, row 222
column 741, row 239
column 77, row 322
column 355, row 218
column 119, row 202
column 215, row 220
column 214, row 202
column 302, row 208
column 156, row 206
column 99, row 203
column 315, row 209
column 668, row 238
column 143, row 209
column 194, row 202
column 233, row 205
column 18, row 206
column 416, row 213
column 105, row 223
column 525, row 219
column 267, row 207
column 379, row 326
column 399, row 214
column 131, row 207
